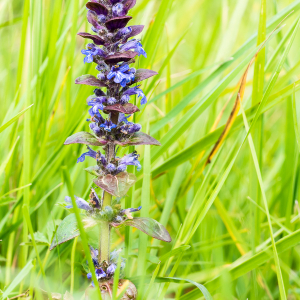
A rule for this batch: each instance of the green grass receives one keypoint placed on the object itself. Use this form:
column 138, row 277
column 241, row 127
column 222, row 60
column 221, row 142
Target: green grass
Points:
column 234, row 223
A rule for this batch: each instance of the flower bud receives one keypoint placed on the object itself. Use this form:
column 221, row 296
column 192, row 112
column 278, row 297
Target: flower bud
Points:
column 101, row 76
column 124, row 99
column 101, row 18
column 99, row 92
column 110, row 167
column 111, row 101
column 118, row 10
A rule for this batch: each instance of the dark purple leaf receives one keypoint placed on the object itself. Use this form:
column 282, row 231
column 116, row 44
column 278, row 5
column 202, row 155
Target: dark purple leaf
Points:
column 96, row 39
column 129, row 4
column 85, row 138
column 142, row 74
column 117, row 23
column 127, row 108
column 90, row 80
column 93, row 19
column 98, row 8
column 116, row 185
column 141, row 138
column 150, row 227
column 125, row 56
column 136, row 29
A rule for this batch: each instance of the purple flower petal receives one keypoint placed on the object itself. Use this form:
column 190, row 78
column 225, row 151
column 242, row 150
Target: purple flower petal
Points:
column 81, row 203
column 111, row 269
column 90, row 153
column 100, row 273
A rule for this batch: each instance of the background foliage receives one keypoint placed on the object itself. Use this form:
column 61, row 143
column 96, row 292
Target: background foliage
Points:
column 216, row 215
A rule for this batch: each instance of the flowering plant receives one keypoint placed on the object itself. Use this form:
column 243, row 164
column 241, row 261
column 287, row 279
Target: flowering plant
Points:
column 113, row 51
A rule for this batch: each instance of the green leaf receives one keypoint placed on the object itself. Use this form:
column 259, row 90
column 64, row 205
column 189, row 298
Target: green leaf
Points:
column 21, row 275
column 174, row 252
column 40, row 239
column 67, row 230
column 93, row 170
column 178, row 280
column 150, row 227
column 15, row 118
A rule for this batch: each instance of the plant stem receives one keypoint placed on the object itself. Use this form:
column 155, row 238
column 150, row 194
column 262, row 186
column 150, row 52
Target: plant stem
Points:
column 104, row 246
column 105, row 232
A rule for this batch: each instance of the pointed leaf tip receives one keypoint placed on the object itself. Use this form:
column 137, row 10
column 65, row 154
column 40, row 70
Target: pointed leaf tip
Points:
column 66, row 231
column 90, row 80
column 95, row 38
column 142, row 74
column 150, row 227
column 141, row 138
column 85, row 138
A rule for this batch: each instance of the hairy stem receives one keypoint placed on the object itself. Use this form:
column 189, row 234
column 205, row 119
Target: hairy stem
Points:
column 105, row 232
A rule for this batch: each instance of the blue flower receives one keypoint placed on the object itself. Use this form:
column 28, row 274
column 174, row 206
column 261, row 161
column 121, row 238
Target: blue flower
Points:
column 99, row 274
column 108, row 125
column 95, row 128
column 81, row 203
column 90, row 52
column 129, row 159
column 96, row 103
column 123, row 118
column 136, row 91
column 128, row 211
column 123, row 211
column 90, row 153
column 122, row 74
column 134, row 45
column 111, row 269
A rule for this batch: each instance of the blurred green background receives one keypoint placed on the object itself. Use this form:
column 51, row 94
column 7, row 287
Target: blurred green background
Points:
column 216, row 213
